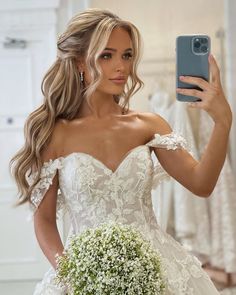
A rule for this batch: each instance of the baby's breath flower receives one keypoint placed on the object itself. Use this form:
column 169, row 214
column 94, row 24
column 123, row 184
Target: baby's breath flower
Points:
column 111, row 259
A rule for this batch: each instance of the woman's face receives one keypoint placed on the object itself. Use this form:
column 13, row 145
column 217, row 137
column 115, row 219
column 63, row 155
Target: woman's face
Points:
column 116, row 62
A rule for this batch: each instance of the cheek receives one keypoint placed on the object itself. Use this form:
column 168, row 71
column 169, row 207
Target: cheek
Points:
column 105, row 75
column 130, row 66
column 105, row 69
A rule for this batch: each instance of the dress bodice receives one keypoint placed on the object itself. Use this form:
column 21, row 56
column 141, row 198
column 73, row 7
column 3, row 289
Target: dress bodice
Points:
column 92, row 193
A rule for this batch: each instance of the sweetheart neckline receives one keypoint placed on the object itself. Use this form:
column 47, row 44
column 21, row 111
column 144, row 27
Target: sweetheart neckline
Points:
column 104, row 165
column 100, row 162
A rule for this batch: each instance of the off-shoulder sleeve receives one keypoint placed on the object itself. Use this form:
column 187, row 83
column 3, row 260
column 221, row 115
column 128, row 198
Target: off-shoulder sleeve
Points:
column 47, row 173
column 171, row 141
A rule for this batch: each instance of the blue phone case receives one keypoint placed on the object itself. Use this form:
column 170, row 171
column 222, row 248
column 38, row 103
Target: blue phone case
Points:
column 192, row 53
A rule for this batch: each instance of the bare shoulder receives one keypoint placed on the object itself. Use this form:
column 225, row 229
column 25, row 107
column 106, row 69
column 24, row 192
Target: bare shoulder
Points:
column 154, row 123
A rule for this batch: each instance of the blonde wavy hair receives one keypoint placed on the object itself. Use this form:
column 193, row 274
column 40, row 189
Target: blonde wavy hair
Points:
column 85, row 37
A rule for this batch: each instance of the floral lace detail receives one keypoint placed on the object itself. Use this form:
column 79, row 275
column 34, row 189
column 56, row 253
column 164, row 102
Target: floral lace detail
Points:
column 47, row 174
column 159, row 175
column 182, row 272
column 94, row 194
column 170, row 141
column 48, row 286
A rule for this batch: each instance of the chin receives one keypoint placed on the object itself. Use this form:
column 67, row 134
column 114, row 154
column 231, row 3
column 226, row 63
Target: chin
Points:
column 117, row 90
column 114, row 92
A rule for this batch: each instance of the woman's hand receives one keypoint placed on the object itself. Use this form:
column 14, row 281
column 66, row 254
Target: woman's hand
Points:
column 212, row 97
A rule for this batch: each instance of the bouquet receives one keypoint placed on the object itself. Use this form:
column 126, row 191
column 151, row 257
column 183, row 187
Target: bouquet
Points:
column 110, row 259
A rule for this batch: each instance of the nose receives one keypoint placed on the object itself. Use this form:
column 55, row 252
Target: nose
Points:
column 120, row 65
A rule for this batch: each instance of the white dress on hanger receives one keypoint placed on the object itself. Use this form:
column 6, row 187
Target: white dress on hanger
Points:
column 181, row 213
column 222, row 208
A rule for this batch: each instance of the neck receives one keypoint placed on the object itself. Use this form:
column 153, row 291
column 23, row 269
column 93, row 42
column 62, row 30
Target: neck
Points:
column 101, row 106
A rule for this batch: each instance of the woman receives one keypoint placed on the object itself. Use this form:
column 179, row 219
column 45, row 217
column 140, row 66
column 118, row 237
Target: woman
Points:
column 87, row 142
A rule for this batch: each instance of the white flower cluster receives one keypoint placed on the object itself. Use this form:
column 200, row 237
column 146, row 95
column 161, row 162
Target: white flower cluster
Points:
column 110, row 259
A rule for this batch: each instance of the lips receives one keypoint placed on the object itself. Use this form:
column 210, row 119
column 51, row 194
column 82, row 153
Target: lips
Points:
column 119, row 80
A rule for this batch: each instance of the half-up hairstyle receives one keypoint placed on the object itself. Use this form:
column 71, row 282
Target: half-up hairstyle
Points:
column 63, row 90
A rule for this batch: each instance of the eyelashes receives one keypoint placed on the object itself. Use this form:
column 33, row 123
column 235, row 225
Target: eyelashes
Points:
column 106, row 56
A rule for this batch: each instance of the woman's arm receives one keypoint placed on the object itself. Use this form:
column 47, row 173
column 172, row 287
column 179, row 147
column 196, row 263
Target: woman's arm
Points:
column 212, row 160
column 198, row 177
column 201, row 177
column 45, row 225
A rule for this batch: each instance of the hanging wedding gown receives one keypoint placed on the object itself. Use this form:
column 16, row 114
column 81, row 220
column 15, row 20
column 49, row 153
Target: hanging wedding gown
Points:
column 92, row 194
column 222, row 208
column 181, row 213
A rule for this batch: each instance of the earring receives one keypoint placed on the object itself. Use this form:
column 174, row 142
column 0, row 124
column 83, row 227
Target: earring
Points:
column 81, row 75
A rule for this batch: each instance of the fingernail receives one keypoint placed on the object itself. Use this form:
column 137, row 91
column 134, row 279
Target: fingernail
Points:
column 181, row 77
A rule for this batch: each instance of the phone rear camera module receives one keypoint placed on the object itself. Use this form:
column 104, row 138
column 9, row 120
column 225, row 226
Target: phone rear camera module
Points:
column 200, row 45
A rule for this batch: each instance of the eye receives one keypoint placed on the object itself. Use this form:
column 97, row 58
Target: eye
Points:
column 128, row 55
column 105, row 56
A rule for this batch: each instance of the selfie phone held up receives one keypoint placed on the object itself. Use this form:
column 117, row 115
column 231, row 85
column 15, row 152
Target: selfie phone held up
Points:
column 192, row 53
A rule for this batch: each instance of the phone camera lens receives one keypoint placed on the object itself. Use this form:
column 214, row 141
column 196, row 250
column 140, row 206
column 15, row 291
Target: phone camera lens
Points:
column 197, row 44
column 204, row 48
column 203, row 40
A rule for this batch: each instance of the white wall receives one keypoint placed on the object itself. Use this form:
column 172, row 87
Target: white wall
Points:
column 230, row 23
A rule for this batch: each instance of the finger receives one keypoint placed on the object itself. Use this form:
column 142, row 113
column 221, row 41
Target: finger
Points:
column 191, row 92
column 214, row 70
column 195, row 81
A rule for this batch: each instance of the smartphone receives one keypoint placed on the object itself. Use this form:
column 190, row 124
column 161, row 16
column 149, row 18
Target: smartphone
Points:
column 192, row 53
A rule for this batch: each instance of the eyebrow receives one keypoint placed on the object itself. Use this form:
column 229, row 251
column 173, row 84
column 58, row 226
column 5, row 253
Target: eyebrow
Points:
column 113, row 49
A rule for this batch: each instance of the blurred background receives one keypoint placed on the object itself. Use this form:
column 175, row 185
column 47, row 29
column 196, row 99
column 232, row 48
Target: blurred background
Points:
column 28, row 35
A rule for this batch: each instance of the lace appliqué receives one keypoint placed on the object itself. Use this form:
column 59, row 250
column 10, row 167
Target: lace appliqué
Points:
column 181, row 273
column 47, row 173
column 159, row 175
column 171, row 141
column 48, row 286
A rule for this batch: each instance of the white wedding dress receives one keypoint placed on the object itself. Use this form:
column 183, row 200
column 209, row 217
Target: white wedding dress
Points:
column 92, row 194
